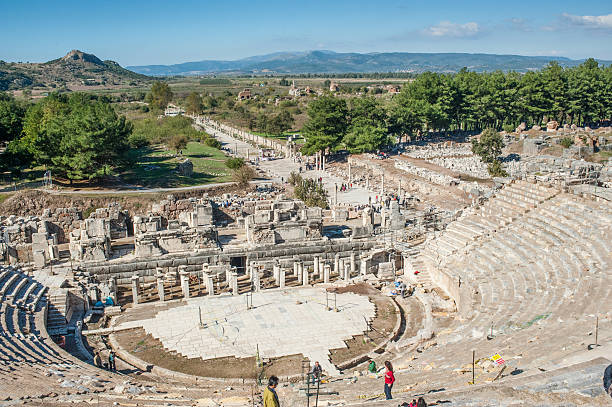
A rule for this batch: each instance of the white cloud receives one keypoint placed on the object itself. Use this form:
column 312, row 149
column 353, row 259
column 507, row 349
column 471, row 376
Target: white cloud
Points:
column 600, row 22
column 453, row 30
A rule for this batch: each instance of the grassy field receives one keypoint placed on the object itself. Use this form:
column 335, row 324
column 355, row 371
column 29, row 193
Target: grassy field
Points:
column 155, row 166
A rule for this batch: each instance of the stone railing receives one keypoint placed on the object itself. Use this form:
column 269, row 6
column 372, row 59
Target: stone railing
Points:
column 258, row 141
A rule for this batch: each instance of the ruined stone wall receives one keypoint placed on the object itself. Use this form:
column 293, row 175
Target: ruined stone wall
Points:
column 119, row 219
column 62, row 221
column 171, row 208
column 193, row 230
column 285, row 254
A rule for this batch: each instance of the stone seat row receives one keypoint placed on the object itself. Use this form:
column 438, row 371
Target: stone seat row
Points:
column 541, row 270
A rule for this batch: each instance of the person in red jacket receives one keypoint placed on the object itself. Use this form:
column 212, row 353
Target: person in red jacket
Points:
column 389, row 379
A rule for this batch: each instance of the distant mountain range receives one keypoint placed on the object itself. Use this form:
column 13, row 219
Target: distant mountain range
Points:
column 76, row 70
column 334, row 62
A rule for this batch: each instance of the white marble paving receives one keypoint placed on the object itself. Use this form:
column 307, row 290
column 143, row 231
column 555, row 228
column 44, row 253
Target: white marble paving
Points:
column 282, row 322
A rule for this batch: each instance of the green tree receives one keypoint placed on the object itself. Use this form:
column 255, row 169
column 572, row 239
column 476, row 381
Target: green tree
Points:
column 178, row 142
column 12, row 113
column 234, row 163
column 363, row 137
column 160, row 95
column 194, row 104
column 368, row 129
column 243, row 175
column 308, row 190
column 327, row 124
column 212, row 142
column 280, row 123
column 489, row 147
column 78, row 137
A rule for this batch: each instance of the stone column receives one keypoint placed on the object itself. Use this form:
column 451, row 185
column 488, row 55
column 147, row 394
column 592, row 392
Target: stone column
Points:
column 347, row 272
column 135, row 288
column 305, row 276
column 315, row 267
column 281, row 278
column 276, row 273
column 336, row 195
column 112, row 285
column 300, row 269
column 228, row 276
column 234, row 282
column 181, row 270
column 210, row 284
column 159, row 274
column 337, row 263
column 256, row 281
column 363, row 267
column 322, row 265
column 184, row 277
column 382, row 185
column 353, row 266
column 326, row 273
column 296, row 268
column 341, row 268
column 407, row 269
column 349, row 172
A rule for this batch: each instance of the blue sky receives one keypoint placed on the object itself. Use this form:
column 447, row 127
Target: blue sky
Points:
column 165, row 32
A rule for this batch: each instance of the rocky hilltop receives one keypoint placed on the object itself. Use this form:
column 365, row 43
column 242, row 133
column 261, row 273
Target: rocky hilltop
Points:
column 77, row 70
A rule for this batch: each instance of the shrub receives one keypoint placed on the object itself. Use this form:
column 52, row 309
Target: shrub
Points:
column 138, row 140
column 243, row 175
column 234, row 163
column 309, row 191
column 178, row 142
column 212, row 142
column 496, row 170
column 566, row 142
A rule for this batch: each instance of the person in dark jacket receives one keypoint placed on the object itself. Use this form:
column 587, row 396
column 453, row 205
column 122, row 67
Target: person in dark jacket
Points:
column 607, row 380
column 112, row 366
column 270, row 398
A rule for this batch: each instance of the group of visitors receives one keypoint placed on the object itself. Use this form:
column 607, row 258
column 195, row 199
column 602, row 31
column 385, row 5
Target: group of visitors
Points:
column 111, row 365
column 345, row 187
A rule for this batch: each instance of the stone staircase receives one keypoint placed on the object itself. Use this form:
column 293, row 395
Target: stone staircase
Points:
column 56, row 314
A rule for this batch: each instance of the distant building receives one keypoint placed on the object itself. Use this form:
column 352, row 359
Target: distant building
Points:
column 333, row 87
column 173, row 110
column 245, row 94
column 393, row 88
column 293, row 91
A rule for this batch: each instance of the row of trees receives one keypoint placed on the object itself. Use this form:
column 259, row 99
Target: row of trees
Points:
column 463, row 101
column 332, row 124
column 78, row 136
column 474, row 101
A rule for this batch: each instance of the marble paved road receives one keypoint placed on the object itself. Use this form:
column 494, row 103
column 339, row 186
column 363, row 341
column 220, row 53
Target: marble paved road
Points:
column 280, row 169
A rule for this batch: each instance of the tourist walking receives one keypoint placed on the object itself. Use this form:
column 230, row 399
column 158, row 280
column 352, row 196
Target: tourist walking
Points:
column 389, row 379
column 111, row 362
column 372, row 367
column 421, row 402
column 607, row 380
column 97, row 359
column 270, row 397
column 315, row 373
